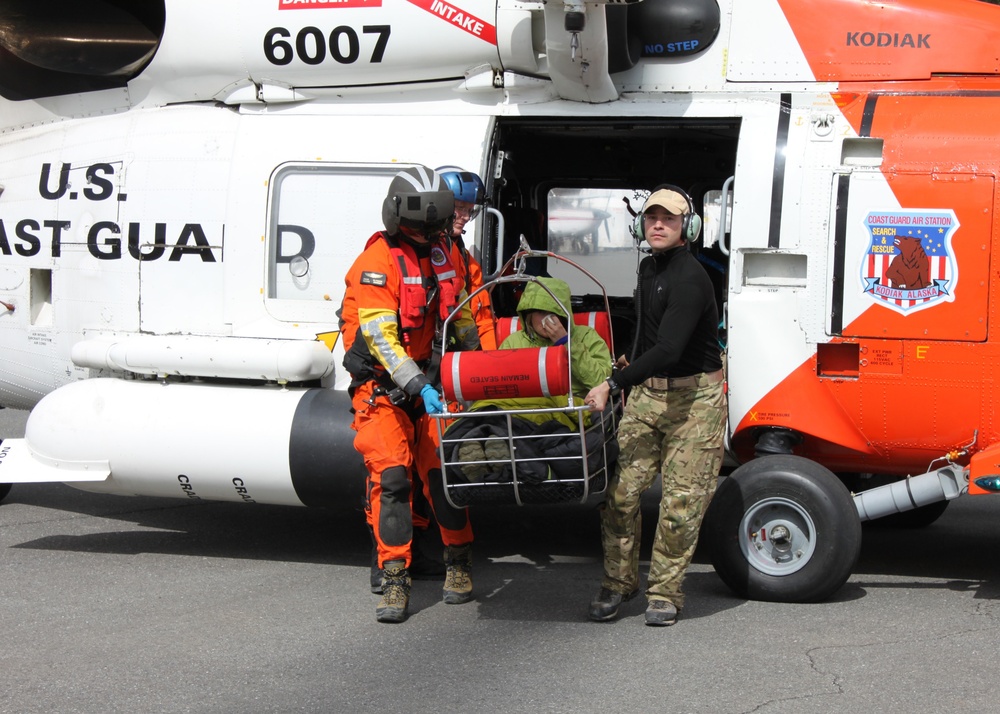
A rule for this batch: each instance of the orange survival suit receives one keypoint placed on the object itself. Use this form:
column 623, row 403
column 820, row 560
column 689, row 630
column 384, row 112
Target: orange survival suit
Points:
column 398, row 293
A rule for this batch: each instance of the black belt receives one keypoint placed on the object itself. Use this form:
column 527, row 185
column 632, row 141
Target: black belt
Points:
column 663, row 384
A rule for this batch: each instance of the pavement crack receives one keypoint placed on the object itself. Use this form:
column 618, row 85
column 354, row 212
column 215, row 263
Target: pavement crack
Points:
column 814, row 655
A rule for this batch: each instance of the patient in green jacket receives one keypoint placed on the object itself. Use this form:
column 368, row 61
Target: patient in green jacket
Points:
column 544, row 323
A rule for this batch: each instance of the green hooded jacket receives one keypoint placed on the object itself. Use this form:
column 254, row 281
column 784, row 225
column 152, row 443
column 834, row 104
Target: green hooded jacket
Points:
column 591, row 358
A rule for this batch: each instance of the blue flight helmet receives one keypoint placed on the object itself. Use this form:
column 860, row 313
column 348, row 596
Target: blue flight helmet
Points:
column 466, row 186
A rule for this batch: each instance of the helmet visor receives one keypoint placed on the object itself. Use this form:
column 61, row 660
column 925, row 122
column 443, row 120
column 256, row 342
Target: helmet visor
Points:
column 467, row 211
column 428, row 228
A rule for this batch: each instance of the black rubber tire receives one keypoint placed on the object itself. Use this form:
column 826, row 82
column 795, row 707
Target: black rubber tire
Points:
column 4, row 490
column 805, row 499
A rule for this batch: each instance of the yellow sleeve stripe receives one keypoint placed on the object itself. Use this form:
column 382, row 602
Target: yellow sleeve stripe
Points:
column 380, row 329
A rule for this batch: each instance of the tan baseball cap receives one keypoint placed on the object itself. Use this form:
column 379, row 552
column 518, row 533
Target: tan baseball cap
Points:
column 674, row 202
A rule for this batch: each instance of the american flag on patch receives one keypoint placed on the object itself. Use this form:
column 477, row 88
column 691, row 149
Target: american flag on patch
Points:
column 909, row 264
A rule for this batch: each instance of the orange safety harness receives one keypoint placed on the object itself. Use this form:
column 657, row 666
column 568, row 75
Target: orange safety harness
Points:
column 417, row 291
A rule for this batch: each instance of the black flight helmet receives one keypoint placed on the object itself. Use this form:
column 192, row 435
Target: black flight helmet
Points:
column 418, row 199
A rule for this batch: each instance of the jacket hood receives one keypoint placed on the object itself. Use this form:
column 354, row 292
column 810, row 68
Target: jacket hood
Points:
column 535, row 297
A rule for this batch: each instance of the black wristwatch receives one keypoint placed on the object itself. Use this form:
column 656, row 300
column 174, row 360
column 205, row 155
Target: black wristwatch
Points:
column 613, row 384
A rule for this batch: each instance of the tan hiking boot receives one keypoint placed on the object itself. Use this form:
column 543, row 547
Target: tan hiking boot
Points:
column 661, row 613
column 458, row 574
column 395, row 592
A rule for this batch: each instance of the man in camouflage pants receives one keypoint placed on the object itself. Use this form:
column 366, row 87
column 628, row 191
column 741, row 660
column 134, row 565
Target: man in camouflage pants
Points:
column 674, row 420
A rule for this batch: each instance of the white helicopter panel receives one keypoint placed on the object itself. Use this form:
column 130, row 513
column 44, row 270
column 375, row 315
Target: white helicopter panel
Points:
column 219, row 49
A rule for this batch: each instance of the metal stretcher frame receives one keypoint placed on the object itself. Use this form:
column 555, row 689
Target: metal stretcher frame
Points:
column 461, row 492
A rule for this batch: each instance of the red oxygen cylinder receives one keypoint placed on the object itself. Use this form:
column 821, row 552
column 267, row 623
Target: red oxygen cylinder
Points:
column 505, row 374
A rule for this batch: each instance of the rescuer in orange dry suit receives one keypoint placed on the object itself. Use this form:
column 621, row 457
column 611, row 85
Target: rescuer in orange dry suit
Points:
column 399, row 291
column 470, row 197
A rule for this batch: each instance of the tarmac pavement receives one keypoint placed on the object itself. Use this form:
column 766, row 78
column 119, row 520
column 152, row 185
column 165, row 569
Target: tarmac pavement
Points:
column 118, row 604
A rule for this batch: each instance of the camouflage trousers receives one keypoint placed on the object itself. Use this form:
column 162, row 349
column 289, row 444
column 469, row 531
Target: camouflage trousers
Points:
column 678, row 433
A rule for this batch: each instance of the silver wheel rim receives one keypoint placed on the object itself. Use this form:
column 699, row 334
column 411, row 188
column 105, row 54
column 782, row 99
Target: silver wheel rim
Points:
column 777, row 536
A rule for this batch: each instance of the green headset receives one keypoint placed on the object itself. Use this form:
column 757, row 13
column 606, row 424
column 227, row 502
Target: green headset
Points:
column 690, row 224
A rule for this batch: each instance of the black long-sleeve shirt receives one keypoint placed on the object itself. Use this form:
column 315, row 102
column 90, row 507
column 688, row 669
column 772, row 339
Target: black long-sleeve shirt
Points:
column 679, row 332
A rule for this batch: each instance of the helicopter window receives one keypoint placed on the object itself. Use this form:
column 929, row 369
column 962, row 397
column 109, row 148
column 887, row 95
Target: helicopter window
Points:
column 593, row 228
column 313, row 230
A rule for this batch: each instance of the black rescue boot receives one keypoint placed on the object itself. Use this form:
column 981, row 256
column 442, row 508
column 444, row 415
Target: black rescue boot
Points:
column 395, row 592
column 605, row 605
column 458, row 574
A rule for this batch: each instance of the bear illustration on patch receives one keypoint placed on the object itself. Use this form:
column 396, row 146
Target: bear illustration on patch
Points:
column 909, row 264
column 909, row 267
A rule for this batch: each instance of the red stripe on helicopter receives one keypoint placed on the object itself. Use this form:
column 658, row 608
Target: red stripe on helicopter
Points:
column 320, row 4
column 461, row 19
